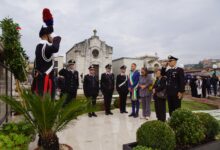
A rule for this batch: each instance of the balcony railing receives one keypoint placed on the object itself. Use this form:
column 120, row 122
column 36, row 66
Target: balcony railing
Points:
column 5, row 89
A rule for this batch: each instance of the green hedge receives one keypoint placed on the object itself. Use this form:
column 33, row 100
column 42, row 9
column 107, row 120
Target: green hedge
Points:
column 142, row 148
column 157, row 135
column 211, row 125
column 187, row 127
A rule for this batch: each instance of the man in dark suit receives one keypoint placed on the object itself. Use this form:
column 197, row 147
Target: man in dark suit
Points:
column 175, row 83
column 71, row 77
column 122, row 88
column 91, row 88
column 107, row 88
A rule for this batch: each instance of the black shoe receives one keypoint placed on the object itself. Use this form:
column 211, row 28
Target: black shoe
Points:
column 106, row 113
column 90, row 115
column 125, row 112
column 131, row 115
column 110, row 113
column 136, row 115
column 93, row 114
column 121, row 112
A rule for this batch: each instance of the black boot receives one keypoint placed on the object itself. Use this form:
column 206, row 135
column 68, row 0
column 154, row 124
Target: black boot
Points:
column 90, row 115
column 93, row 114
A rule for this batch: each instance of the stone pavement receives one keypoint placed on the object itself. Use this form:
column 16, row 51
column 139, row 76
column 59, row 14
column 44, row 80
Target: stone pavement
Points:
column 104, row 132
column 101, row 133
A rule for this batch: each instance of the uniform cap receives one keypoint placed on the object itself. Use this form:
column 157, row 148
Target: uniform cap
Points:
column 123, row 67
column 172, row 58
column 109, row 66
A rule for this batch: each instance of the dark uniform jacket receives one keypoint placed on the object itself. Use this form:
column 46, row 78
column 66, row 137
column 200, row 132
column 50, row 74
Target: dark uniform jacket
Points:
column 123, row 89
column 91, row 86
column 107, row 83
column 43, row 59
column 71, row 80
column 175, row 80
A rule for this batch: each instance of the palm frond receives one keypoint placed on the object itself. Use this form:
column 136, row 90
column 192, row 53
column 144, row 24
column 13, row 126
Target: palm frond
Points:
column 45, row 115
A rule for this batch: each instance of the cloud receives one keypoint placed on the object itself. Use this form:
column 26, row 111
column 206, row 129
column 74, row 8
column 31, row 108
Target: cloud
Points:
column 188, row 29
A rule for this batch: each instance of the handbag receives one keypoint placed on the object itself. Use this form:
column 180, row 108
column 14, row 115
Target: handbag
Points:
column 162, row 94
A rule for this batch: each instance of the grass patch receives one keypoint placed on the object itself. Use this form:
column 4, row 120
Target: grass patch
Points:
column 190, row 105
column 186, row 104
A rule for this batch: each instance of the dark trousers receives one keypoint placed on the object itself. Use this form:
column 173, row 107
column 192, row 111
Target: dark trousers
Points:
column 160, row 108
column 204, row 92
column 173, row 103
column 135, row 107
column 209, row 90
column 70, row 96
column 107, row 102
column 122, row 101
column 92, row 105
column 215, row 89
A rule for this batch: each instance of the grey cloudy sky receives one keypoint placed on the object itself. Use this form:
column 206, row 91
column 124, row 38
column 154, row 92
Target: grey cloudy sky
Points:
column 188, row 29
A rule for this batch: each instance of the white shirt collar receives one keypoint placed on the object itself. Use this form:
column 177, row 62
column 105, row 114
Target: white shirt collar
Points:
column 44, row 42
column 168, row 67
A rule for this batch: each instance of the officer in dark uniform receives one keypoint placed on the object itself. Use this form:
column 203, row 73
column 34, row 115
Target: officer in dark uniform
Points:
column 107, row 88
column 122, row 88
column 91, row 88
column 71, row 77
column 175, row 83
column 44, row 64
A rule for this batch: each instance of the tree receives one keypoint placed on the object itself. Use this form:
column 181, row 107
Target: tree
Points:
column 14, row 55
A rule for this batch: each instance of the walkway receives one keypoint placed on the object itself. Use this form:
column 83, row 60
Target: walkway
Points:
column 104, row 132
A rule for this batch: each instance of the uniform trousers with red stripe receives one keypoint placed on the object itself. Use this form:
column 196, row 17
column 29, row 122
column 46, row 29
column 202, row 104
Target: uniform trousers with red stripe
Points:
column 44, row 84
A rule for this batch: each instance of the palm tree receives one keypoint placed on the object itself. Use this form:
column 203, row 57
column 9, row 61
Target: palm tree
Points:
column 46, row 116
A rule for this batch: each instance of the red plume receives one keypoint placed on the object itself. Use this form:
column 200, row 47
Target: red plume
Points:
column 47, row 17
column 46, row 14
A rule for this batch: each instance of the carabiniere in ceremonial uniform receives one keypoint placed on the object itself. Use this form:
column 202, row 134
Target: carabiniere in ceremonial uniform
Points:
column 175, row 84
column 44, row 64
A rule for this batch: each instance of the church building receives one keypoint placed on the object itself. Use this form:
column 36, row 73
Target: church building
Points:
column 92, row 51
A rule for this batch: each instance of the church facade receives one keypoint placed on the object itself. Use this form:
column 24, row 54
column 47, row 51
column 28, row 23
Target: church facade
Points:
column 92, row 51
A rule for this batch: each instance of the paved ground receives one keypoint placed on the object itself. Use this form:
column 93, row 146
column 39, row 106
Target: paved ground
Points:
column 104, row 132
column 101, row 133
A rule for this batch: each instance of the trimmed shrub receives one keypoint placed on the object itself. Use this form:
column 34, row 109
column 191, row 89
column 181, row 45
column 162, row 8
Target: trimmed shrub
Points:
column 139, row 147
column 187, row 127
column 157, row 135
column 142, row 148
column 211, row 125
column 116, row 103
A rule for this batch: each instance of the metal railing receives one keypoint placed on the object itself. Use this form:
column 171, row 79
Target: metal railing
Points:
column 5, row 89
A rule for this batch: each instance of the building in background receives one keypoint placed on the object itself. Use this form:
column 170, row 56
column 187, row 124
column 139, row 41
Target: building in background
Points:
column 58, row 63
column 151, row 62
column 92, row 51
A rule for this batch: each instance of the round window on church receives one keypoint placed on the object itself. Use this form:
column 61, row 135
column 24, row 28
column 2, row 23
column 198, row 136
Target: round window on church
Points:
column 95, row 53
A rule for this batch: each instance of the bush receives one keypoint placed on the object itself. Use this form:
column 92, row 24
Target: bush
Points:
column 18, row 128
column 187, row 127
column 14, row 141
column 157, row 135
column 211, row 125
column 116, row 103
column 142, row 148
